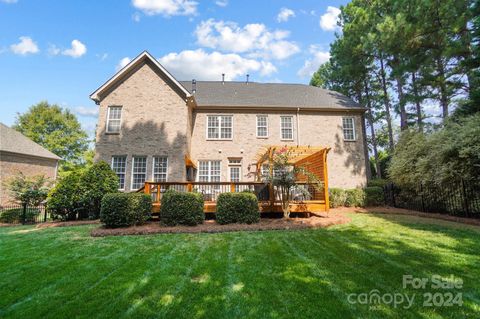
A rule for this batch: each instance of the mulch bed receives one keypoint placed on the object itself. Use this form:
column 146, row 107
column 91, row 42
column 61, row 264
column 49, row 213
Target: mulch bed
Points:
column 210, row 226
column 401, row 211
column 70, row 223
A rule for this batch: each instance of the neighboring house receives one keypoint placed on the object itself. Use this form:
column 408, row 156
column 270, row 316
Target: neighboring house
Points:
column 152, row 127
column 20, row 154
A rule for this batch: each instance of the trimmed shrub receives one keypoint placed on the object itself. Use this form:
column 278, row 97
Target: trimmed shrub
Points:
column 374, row 196
column 237, row 208
column 15, row 215
column 115, row 211
column 125, row 209
column 180, row 208
column 98, row 180
column 355, row 197
column 141, row 207
column 64, row 199
column 337, row 197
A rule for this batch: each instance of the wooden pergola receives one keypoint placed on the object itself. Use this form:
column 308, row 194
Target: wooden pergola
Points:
column 312, row 159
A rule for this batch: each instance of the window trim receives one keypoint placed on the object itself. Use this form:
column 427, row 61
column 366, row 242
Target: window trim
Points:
column 293, row 128
column 256, row 119
column 219, row 128
column 124, row 173
column 197, row 178
column 239, row 173
column 353, row 129
column 108, row 119
column 133, row 166
column 153, row 167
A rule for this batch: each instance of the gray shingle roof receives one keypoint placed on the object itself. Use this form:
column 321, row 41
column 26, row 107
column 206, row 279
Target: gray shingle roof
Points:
column 253, row 94
column 15, row 142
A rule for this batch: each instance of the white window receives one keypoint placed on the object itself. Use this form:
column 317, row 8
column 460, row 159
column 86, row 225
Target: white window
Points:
column 286, row 127
column 219, row 127
column 235, row 169
column 160, row 168
column 262, row 126
column 139, row 171
column 209, row 171
column 348, row 124
column 235, row 172
column 266, row 170
column 114, row 118
column 119, row 166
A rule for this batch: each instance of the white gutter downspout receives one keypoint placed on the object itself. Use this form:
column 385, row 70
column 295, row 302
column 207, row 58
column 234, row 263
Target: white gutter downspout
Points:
column 298, row 126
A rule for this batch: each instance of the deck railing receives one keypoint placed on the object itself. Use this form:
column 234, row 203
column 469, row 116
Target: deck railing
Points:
column 211, row 190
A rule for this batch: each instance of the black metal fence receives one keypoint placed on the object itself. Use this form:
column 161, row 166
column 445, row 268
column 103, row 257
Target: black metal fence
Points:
column 459, row 198
column 23, row 214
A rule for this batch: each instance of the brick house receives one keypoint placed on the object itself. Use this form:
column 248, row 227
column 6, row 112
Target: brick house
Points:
column 152, row 127
column 20, row 154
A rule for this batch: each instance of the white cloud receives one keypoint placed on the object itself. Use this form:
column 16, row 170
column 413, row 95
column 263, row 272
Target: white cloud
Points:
column 86, row 111
column 201, row 65
column 285, row 14
column 77, row 50
column 122, row 63
column 166, row 7
column 254, row 39
column 328, row 21
column 25, row 46
column 9, row 1
column 221, row 3
column 311, row 65
column 136, row 17
column 102, row 57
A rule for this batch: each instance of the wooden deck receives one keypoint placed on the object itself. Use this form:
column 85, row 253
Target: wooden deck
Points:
column 268, row 197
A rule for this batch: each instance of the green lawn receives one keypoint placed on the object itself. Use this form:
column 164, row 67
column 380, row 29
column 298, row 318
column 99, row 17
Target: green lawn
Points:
column 63, row 272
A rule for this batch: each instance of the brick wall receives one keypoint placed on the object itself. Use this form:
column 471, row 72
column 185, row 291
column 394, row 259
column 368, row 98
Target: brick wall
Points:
column 157, row 121
column 11, row 164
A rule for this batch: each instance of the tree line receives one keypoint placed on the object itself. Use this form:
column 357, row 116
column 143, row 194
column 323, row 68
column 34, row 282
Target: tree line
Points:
column 408, row 60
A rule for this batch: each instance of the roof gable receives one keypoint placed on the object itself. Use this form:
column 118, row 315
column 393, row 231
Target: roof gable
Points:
column 142, row 57
column 13, row 141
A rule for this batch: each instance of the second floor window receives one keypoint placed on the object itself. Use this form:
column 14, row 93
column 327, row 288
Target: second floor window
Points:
column 139, row 171
column 286, row 127
column 219, row 127
column 348, row 129
column 262, row 126
column 160, row 168
column 119, row 166
column 114, row 117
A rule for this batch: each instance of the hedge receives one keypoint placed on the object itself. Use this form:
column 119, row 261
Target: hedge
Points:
column 181, row 208
column 125, row 209
column 237, row 208
column 140, row 207
column 355, row 197
column 15, row 215
column 337, row 197
column 374, row 196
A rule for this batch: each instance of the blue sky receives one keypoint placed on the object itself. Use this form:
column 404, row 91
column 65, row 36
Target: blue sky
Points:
column 61, row 51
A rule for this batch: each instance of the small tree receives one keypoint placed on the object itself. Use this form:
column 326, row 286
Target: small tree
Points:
column 28, row 190
column 98, row 180
column 285, row 176
column 64, row 199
